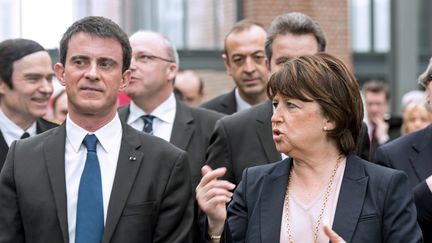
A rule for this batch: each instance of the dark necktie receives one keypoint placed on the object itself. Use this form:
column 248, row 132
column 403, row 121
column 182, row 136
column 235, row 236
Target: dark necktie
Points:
column 90, row 214
column 25, row 135
column 148, row 124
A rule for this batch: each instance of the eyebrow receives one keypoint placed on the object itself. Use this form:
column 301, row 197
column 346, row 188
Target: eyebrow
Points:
column 37, row 75
column 254, row 53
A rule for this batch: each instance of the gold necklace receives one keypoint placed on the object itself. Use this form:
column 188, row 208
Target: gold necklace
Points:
column 326, row 196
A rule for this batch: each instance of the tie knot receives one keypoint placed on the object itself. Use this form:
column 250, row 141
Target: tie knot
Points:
column 148, row 123
column 25, row 135
column 148, row 118
column 90, row 142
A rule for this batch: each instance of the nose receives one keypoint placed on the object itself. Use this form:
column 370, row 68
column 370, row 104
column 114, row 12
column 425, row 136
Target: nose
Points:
column 92, row 72
column 276, row 117
column 132, row 64
column 47, row 86
column 250, row 65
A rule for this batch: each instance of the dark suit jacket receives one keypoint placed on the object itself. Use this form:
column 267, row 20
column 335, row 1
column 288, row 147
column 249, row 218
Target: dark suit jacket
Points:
column 412, row 154
column 225, row 103
column 375, row 205
column 191, row 132
column 41, row 126
column 150, row 200
column 245, row 139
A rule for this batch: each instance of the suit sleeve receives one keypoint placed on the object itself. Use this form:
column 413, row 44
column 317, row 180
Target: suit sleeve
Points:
column 176, row 210
column 422, row 193
column 11, row 226
column 219, row 153
column 399, row 213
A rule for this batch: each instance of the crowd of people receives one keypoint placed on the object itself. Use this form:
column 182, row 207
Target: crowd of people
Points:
column 286, row 156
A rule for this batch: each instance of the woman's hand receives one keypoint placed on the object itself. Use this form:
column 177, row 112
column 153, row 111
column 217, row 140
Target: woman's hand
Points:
column 334, row 238
column 212, row 195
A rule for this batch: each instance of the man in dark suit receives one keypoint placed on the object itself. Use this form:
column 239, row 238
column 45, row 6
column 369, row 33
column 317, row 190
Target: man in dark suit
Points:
column 245, row 139
column 412, row 154
column 381, row 126
column 153, row 69
column 94, row 178
column 246, row 63
column 25, row 89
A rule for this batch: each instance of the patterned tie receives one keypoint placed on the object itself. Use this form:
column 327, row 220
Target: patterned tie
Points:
column 148, row 123
column 90, row 214
column 25, row 135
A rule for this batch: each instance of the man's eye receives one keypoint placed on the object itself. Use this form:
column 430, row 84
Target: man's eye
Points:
column 145, row 58
column 238, row 60
column 258, row 58
column 281, row 61
column 106, row 64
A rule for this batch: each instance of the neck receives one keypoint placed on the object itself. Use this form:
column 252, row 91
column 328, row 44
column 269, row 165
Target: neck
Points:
column 253, row 99
column 149, row 103
column 24, row 121
column 91, row 122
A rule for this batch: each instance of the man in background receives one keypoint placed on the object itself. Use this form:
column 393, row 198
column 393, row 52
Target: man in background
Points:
column 381, row 126
column 26, row 76
column 155, row 110
column 246, row 63
column 190, row 86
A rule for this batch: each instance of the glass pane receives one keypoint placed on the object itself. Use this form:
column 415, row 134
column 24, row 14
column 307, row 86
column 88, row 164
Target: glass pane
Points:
column 361, row 31
column 382, row 25
column 171, row 20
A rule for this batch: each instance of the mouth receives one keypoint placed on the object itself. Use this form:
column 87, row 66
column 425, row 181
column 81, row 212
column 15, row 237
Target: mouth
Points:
column 91, row 89
column 40, row 100
column 277, row 135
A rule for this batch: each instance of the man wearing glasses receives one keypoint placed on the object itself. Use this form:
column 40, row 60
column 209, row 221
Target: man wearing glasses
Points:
column 154, row 108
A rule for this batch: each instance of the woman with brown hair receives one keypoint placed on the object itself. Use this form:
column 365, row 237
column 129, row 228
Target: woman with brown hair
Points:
column 322, row 191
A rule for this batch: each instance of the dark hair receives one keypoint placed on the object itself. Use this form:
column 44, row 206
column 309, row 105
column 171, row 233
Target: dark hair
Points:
column 377, row 86
column 13, row 50
column 295, row 23
column 425, row 78
column 325, row 79
column 100, row 27
column 240, row 26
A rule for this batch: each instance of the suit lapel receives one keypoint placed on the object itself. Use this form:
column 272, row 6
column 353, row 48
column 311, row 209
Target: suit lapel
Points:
column 351, row 198
column 129, row 162
column 272, row 201
column 264, row 130
column 420, row 156
column 54, row 152
column 183, row 127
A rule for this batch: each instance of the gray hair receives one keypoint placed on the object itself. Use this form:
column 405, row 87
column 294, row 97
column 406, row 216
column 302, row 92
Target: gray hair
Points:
column 425, row 78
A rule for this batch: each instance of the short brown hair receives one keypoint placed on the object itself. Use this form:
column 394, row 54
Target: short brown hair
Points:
column 325, row 79
column 377, row 86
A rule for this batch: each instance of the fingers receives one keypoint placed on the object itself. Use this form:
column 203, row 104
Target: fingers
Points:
column 334, row 238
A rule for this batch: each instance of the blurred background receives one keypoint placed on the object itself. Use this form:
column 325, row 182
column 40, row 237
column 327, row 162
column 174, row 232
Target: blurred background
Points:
column 389, row 40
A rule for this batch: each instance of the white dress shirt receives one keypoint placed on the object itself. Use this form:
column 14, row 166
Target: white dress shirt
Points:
column 163, row 121
column 107, row 149
column 241, row 103
column 11, row 131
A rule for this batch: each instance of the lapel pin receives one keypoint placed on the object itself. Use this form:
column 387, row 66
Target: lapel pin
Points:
column 132, row 158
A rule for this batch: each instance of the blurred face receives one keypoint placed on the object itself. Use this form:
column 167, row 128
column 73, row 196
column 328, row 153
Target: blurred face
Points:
column 60, row 110
column 376, row 105
column 189, row 86
column 418, row 119
column 298, row 126
column 92, row 76
column 246, row 62
column 289, row 46
column 152, row 71
column 32, row 88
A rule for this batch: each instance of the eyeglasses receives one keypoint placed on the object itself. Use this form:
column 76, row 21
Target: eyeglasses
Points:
column 147, row 58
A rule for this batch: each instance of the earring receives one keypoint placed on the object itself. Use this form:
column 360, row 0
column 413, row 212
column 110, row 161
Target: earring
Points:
column 325, row 128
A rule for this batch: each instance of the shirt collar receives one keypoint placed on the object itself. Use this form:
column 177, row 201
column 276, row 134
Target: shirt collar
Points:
column 13, row 132
column 164, row 112
column 241, row 103
column 75, row 134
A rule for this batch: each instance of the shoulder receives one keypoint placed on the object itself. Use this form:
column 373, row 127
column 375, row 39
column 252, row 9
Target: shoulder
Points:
column 44, row 125
column 261, row 113
column 255, row 174
column 222, row 103
column 201, row 114
column 418, row 138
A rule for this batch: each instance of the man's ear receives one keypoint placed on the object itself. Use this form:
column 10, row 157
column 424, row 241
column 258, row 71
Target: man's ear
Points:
column 171, row 71
column 59, row 72
column 226, row 62
column 125, row 80
column 3, row 88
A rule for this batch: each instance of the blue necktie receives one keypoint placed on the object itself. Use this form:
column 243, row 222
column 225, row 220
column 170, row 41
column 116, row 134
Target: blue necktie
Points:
column 90, row 214
column 148, row 123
